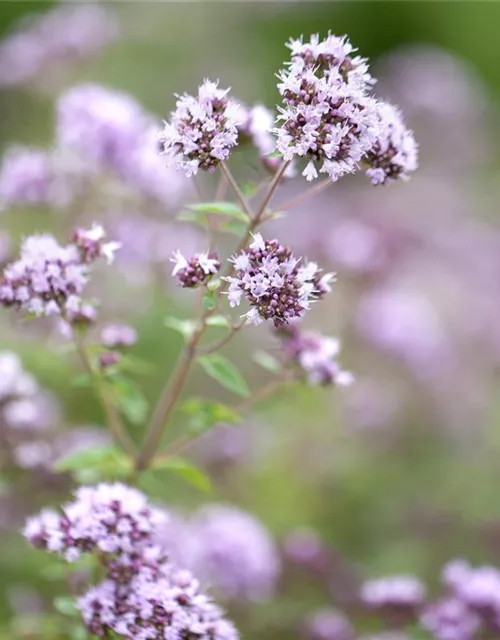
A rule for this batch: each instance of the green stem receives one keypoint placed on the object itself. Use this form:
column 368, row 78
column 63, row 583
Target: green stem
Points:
column 168, row 398
column 240, row 196
column 175, row 384
column 182, row 443
column 113, row 417
column 312, row 191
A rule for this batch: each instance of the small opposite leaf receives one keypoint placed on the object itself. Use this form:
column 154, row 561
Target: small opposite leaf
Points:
column 228, row 209
column 224, row 371
column 185, row 470
column 267, row 361
column 82, row 380
column 130, row 399
column 193, row 216
column 210, row 300
column 185, row 327
column 217, row 321
column 96, row 463
column 206, row 414
column 66, row 605
column 236, row 227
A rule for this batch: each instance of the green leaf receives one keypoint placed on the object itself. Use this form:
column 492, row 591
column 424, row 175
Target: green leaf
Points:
column 96, row 463
column 82, row 380
column 250, row 189
column 235, row 227
column 185, row 327
column 210, row 300
column 206, row 414
column 79, row 633
column 185, row 470
column 214, row 284
column 224, row 371
column 66, row 606
column 193, row 216
column 228, row 209
column 274, row 154
column 267, row 361
column 130, row 399
column 218, row 321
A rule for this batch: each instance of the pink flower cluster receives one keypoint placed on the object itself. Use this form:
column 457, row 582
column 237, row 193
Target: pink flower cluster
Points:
column 202, row 130
column 49, row 278
column 144, row 595
column 197, row 270
column 315, row 355
column 330, row 119
column 271, row 279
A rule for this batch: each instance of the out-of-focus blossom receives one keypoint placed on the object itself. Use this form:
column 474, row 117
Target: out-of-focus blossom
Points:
column 196, row 271
column 118, row 336
column 329, row 624
column 315, row 355
column 148, row 244
column 102, row 125
column 395, row 151
column 32, row 177
column 227, row 549
column 393, row 592
column 54, row 39
column 443, row 99
column 202, row 131
column 236, row 554
column 406, row 325
column 450, row 619
column 274, row 282
column 327, row 117
column 304, row 548
column 478, row 587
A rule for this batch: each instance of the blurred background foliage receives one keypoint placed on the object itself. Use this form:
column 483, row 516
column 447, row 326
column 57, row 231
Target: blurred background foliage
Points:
column 400, row 501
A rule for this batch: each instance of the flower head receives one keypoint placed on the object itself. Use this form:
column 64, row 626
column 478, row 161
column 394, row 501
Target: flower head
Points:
column 111, row 518
column 315, row 355
column 327, row 117
column 202, row 130
column 196, row 271
column 170, row 606
column 91, row 245
column 395, row 152
column 49, row 278
column 273, row 281
column 144, row 596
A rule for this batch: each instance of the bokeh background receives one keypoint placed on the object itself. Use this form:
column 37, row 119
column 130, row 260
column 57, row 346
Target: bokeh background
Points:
column 398, row 473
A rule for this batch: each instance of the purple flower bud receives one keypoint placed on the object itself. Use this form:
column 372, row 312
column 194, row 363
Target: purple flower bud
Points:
column 118, row 336
column 196, row 271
